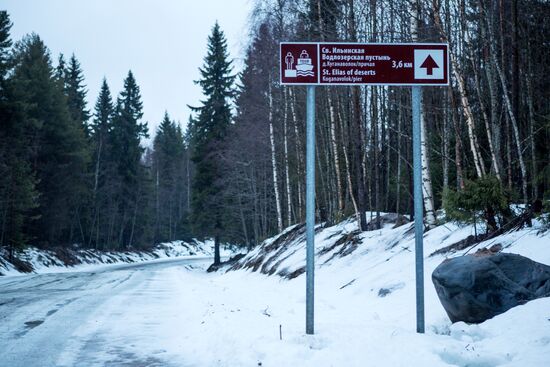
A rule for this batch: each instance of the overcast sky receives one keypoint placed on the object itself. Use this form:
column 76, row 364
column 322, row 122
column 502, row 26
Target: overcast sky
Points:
column 163, row 42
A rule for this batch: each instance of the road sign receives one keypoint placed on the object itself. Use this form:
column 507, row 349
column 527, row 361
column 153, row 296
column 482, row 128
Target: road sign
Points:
column 414, row 64
column 364, row 63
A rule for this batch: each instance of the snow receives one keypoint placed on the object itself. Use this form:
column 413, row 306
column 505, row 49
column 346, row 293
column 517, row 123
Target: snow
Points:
column 170, row 315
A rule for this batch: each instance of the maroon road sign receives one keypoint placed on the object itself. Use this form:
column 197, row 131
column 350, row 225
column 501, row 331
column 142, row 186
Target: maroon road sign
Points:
column 331, row 63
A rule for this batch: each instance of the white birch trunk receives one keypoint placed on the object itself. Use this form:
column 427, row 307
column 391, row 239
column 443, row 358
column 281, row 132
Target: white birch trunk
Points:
column 398, row 180
column 298, row 152
column 517, row 141
column 274, row 165
column 426, row 178
column 485, row 117
column 335, row 154
column 287, row 175
column 348, row 171
column 470, row 122
column 510, row 111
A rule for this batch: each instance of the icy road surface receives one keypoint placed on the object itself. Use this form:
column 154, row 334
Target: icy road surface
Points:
column 67, row 319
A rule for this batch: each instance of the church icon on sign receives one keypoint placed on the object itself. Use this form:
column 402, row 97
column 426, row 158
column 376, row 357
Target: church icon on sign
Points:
column 428, row 64
column 304, row 66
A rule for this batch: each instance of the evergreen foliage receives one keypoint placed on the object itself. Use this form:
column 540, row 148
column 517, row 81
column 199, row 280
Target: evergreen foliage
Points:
column 61, row 69
column 127, row 131
column 126, row 152
column 103, row 113
column 68, row 179
column 76, row 93
column 209, row 132
column 59, row 156
column 483, row 197
column 169, row 166
column 104, row 173
column 18, row 194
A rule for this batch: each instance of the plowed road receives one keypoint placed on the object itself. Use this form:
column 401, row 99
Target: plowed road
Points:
column 68, row 319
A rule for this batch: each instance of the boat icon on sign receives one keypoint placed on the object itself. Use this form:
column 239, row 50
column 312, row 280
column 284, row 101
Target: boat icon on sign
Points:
column 304, row 66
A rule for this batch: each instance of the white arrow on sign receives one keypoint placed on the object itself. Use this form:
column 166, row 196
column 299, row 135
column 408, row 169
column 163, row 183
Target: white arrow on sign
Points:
column 428, row 64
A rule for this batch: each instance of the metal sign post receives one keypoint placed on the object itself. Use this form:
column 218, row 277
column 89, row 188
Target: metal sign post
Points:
column 333, row 63
column 418, row 216
column 310, row 206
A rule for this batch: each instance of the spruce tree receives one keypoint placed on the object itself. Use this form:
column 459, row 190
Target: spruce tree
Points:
column 61, row 69
column 209, row 131
column 126, row 152
column 128, row 130
column 168, row 152
column 102, row 122
column 59, row 149
column 103, row 116
column 103, row 177
column 76, row 93
column 18, row 195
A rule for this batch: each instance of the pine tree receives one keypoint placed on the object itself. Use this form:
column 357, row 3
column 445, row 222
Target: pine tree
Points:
column 209, row 132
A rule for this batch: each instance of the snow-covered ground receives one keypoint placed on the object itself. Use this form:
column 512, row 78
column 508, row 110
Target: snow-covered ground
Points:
column 48, row 261
column 174, row 314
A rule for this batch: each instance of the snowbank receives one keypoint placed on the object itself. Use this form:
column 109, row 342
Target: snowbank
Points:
column 63, row 260
column 365, row 303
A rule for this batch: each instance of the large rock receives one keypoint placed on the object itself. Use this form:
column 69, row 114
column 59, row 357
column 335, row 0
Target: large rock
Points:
column 474, row 288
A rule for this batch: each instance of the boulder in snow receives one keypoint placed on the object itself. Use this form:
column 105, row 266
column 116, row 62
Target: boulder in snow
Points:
column 474, row 288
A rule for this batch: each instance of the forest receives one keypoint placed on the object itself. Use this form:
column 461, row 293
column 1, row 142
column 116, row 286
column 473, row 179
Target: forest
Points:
column 73, row 174
column 483, row 136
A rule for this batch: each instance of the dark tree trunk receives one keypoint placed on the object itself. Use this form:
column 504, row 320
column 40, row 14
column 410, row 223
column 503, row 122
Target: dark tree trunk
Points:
column 217, row 260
